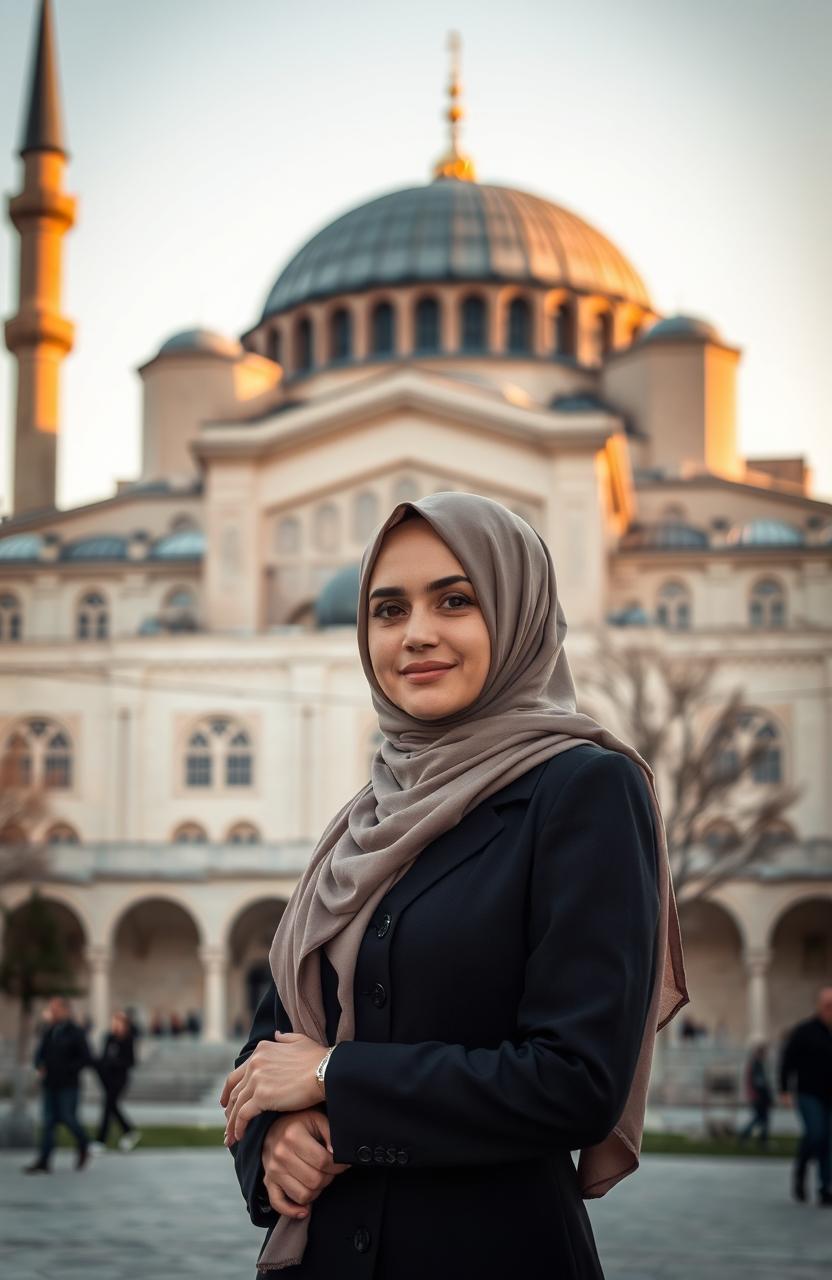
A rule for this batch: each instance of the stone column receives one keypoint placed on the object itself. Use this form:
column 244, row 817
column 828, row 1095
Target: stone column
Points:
column 214, row 974
column 757, row 962
column 100, row 960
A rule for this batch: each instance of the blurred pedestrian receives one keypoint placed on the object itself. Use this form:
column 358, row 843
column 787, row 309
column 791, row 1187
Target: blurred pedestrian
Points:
column 114, row 1067
column 61, row 1055
column 759, row 1093
column 807, row 1055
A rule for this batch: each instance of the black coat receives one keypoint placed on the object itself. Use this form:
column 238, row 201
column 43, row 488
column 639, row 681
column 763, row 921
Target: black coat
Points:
column 64, row 1051
column 117, row 1058
column 806, row 1055
column 500, row 995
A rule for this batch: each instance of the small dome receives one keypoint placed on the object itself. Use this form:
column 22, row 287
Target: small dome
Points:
column 672, row 534
column 633, row 615
column 182, row 544
column 687, row 328
column 337, row 604
column 201, row 342
column 21, row 546
column 458, row 231
column 765, row 533
column 105, row 546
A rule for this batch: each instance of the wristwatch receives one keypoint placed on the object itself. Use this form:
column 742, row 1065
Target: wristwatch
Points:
column 321, row 1068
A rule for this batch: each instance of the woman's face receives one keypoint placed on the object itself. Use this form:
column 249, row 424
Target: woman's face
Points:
column 423, row 611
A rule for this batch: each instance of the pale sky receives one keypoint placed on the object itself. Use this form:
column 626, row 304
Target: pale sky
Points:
column 210, row 139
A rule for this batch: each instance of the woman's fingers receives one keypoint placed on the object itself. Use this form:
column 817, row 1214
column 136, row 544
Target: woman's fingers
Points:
column 233, row 1078
column 281, row 1202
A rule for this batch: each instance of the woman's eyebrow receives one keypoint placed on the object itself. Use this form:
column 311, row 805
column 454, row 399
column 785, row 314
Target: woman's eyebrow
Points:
column 432, row 586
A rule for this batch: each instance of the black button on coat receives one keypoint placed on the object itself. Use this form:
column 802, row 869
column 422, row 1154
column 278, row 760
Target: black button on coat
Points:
column 517, row 965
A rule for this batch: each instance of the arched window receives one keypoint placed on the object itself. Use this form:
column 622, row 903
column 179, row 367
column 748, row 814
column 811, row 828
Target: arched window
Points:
column 180, row 599
column 519, row 326
column 777, row 833
column 198, row 761
column 219, row 749
column 37, row 753
column 62, row 833
column 190, row 833
column 383, row 330
column 304, row 355
column 474, row 324
column 11, row 617
column 673, row 606
column 600, row 336
column 769, row 766
column 565, row 330
column 238, row 760
column 288, row 536
column 183, row 523
column 427, row 335
column 93, row 619
column 365, row 515
column 243, row 833
column 721, row 836
column 767, row 606
column 327, row 527
column 340, row 334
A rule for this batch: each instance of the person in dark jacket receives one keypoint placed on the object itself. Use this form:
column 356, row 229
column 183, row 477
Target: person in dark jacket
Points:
column 501, row 987
column 114, row 1067
column 759, row 1094
column 60, row 1057
column 807, row 1060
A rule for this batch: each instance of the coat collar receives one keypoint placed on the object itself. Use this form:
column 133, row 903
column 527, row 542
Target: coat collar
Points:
column 473, row 832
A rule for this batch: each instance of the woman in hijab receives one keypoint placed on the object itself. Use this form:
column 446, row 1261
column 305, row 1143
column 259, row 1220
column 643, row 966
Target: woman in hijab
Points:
column 471, row 971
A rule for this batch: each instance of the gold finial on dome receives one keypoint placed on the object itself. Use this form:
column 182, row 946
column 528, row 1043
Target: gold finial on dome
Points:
column 454, row 164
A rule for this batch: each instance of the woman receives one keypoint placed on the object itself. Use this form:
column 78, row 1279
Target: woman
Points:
column 114, row 1067
column 472, row 968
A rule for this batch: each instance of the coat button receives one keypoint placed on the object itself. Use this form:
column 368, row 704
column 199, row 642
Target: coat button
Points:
column 384, row 924
column 379, row 1155
column 378, row 995
column 401, row 1156
column 365, row 1154
column 361, row 1239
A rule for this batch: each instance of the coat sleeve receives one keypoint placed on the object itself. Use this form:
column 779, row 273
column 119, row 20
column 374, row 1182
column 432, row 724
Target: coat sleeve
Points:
column 247, row 1152
column 563, row 1079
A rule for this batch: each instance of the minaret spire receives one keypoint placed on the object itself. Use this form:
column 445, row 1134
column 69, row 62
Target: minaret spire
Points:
column 454, row 163
column 39, row 336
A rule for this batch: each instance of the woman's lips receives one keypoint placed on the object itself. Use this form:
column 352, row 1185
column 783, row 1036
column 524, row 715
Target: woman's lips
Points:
column 426, row 677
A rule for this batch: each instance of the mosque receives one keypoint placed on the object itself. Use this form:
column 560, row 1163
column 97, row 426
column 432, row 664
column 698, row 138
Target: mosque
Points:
column 179, row 678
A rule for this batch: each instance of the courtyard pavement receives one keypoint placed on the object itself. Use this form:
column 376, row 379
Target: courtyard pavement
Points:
column 170, row 1215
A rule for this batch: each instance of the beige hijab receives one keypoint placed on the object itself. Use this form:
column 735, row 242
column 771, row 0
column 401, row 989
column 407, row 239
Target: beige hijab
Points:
column 427, row 774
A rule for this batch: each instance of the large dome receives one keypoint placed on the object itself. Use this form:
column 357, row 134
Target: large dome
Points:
column 450, row 230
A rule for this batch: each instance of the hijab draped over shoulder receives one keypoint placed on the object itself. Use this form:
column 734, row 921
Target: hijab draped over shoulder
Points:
column 427, row 774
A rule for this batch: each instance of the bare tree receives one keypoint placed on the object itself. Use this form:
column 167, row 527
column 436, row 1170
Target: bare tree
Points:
column 704, row 746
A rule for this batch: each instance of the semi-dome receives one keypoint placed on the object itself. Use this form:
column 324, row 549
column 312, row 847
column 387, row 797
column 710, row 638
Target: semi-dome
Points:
column 337, row 602
column 687, row 327
column 765, row 533
column 204, row 342
column 455, row 231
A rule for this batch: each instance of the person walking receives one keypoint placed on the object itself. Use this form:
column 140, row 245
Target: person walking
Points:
column 807, row 1058
column 114, row 1067
column 759, row 1093
column 468, row 978
column 61, row 1055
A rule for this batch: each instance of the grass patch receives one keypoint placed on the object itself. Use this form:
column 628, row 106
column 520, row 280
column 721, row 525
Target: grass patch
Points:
column 780, row 1146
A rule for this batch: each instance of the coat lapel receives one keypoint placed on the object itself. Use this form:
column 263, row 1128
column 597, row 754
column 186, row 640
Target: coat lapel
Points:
column 479, row 827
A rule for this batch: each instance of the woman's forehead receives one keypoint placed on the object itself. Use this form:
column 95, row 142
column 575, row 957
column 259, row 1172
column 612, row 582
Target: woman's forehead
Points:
column 410, row 547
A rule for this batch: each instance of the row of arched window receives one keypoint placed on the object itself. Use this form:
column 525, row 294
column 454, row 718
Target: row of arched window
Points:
column 93, row 614
column 326, row 532
column 310, row 347
column 62, row 833
column 765, row 607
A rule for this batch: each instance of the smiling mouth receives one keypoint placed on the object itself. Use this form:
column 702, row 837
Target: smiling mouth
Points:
column 426, row 677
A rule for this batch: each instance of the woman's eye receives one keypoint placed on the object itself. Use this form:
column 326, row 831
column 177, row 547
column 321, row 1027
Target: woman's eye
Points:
column 457, row 595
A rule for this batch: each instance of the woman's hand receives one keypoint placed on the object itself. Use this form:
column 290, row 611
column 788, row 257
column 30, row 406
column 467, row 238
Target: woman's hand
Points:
column 276, row 1077
column 297, row 1161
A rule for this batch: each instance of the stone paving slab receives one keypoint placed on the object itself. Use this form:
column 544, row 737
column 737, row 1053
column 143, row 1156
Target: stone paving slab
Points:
column 179, row 1215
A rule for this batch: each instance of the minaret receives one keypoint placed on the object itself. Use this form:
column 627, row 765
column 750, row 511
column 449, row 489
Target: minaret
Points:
column 39, row 335
column 454, row 163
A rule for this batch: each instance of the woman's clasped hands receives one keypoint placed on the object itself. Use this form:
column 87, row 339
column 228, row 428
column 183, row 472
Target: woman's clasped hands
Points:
column 297, row 1153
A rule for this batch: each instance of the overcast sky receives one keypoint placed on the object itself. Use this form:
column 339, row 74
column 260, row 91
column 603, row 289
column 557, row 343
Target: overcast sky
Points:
column 210, row 139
